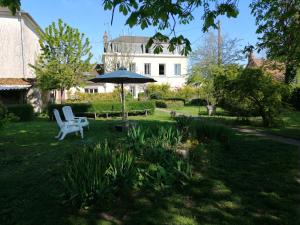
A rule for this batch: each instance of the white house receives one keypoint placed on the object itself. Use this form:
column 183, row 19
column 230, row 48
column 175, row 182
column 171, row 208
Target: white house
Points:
column 131, row 52
column 19, row 47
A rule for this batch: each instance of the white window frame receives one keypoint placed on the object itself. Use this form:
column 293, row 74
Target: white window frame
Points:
column 177, row 69
column 149, row 69
column 132, row 65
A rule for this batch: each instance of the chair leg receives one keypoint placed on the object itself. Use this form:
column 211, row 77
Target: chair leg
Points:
column 81, row 132
column 63, row 136
column 58, row 135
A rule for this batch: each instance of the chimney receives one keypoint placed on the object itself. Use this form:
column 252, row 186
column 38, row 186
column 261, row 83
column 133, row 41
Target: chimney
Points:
column 105, row 40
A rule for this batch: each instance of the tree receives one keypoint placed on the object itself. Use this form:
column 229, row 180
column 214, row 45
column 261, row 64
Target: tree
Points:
column 207, row 52
column 210, row 80
column 13, row 5
column 279, row 24
column 261, row 91
column 66, row 54
column 164, row 14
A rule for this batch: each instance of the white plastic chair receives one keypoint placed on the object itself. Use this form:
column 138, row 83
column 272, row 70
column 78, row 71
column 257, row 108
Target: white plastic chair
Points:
column 69, row 116
column 66, row 127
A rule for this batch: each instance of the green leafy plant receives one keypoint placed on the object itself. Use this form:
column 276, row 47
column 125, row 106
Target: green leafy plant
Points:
column 3, row 115
column 96, row 174
column 206, row 132
column 22, row 111
column 183, row 123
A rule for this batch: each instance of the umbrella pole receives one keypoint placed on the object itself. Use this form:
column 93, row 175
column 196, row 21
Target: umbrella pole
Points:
column 123, row 101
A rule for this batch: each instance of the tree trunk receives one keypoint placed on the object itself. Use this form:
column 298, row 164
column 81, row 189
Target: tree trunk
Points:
column 61, row 96
column 211, row 110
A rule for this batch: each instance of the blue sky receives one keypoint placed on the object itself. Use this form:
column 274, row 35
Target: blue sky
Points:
column 90, row 18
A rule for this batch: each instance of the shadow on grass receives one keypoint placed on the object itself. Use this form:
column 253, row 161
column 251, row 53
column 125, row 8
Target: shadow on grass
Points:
column 253, row 183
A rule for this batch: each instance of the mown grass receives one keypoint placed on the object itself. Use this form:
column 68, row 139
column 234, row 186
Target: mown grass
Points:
column 288, row 126
column 252, row 183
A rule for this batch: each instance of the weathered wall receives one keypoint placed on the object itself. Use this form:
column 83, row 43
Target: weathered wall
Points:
column 15, row 57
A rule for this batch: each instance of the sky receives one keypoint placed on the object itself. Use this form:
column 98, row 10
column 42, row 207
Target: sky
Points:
column 91, row 19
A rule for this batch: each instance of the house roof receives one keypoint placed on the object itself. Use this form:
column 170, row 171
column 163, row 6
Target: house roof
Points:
column 276, row 69
column 131, row 39
column 14, row 84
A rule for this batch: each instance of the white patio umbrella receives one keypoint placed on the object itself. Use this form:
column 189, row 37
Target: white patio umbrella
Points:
column 122, row 76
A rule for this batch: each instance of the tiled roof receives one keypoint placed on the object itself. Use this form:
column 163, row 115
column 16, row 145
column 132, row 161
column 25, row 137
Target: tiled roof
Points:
column 13, row 81
column 276, row 69
column 131, row 39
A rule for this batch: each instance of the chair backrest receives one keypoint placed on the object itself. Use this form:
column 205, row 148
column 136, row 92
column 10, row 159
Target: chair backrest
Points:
column 68, row 113
column 58, row 118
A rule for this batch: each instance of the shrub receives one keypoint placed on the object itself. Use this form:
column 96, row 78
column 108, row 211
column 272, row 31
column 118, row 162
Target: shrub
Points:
column 76, row 108
column 92, row 97
column 211, row 132
column 176, row 99
column 169, row 104
column 96, row 174
column 3, row 115
column 259, row 93
column 295, row 98
column 197, row 102
column 102, row 106
column 23, row 112
column 162, row 166
column 183, row 123
column 161, row 104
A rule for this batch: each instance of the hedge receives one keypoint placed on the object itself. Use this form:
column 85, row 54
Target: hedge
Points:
column 76, row 108
column 24, row 112
column 169, row 104
column 100, row 107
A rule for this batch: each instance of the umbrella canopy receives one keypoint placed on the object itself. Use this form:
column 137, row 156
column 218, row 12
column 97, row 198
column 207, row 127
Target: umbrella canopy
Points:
column 122, row 76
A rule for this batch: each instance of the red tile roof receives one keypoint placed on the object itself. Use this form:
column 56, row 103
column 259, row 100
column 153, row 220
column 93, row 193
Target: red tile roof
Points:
column 14, row 81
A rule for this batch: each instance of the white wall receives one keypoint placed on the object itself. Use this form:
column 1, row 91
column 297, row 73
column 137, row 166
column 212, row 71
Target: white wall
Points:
column 169, row 60
column 14, row 59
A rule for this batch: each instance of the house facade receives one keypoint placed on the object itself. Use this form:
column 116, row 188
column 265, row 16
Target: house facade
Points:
column 131, row 52
column 19, row 47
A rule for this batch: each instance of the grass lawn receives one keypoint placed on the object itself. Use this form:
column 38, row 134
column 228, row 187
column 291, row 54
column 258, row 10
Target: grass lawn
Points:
column 290, row 126
column 252, row 183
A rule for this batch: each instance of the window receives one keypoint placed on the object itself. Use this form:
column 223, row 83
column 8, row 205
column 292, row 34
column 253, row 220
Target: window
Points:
column 147, row 69
column 177, row 69
column 147, row 50
column 91, row 90
column 132, row 67
column 162, row 69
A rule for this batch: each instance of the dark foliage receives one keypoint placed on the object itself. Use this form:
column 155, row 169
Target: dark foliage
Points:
column 23, row 112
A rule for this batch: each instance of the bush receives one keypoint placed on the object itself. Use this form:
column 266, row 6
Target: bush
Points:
column 175, row 99
column 197, row 102
column 295, row 99
column 3, row 115
column 183, row 123
column 169, row 104
column 257, row 92
column 206, row 132
column 102, row 106
column 161, row 104
column 162, row 166
column 96, row 174
column 76, row 108
column 23, row 112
